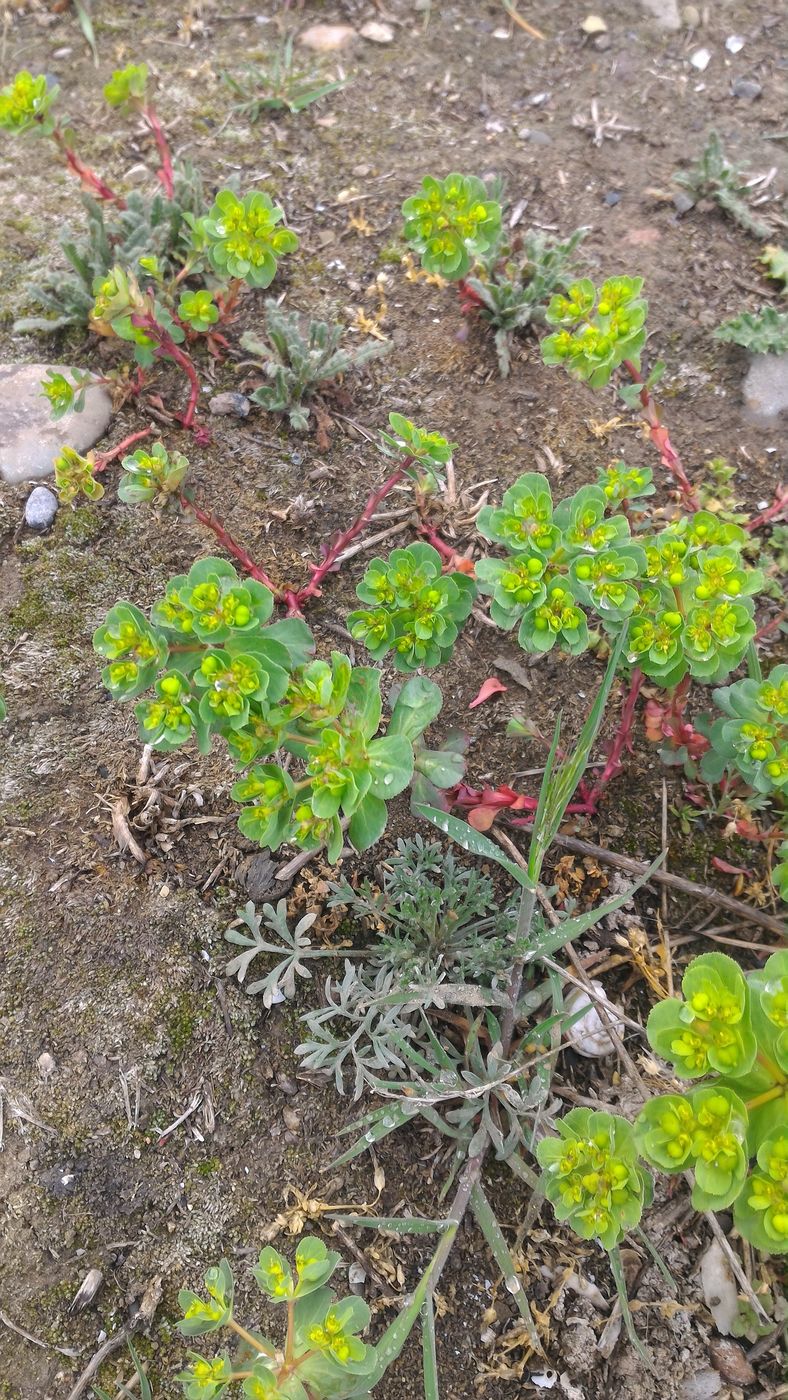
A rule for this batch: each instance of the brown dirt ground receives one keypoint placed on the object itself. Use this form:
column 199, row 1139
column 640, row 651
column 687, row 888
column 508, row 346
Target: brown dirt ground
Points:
column 112, row 970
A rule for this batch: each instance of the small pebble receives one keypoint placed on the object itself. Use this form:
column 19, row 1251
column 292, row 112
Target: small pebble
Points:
column 747, row 88
column 734, row 43
column 612, row 197
column 602, row 42
column 325, row 38
column 691, row 16
column 230, row 403
column 728, row 1359
column 683, row 202
column 46, row 1065
column 538, row 138
column 40, row 508
column 701, row 59
column 376, row 32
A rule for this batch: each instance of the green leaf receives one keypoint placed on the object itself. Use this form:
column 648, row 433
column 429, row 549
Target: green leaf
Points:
column 390, row 765
column 368, row 822
column 470, row 840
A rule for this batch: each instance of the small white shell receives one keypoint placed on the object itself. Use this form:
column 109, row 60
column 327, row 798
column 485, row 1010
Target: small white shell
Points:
column 588, row 1036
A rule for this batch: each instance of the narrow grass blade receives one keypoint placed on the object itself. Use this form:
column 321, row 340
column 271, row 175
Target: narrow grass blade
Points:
column 559, row 783
column 397, row 1224
column 389, row 1120
column 428, row 1351
column 570, row 929
column 640, row 1233
column 396, row 1335
column 617, row 1270
column 523, row 1172
column 470, row 840
column 493, row 1234
column 86, row 25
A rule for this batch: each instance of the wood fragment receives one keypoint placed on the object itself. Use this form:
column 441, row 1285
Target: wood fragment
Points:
column 706, row 893
column 119, row 810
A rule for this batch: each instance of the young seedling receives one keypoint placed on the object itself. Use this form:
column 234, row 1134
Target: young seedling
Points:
column 751, row 738
column 26, row 108
column 323, row 1355
column 763, row 332
column 513, row 284
column 714, row 177
column 300, row 357
column 279, row 85
column 600, row 330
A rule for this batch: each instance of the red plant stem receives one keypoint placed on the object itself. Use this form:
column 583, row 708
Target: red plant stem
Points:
column 778, row 507
column 166, row 346
column 165, row 174
column 104, row 458
column 621, row 741
column 660, row 436
column 768, row 627
column 445, row 550
column 232, row 546
column 84, row 174
column 333, row 552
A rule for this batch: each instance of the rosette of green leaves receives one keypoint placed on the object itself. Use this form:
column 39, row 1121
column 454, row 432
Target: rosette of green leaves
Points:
column 598, row 328
column 430, row 451
column 118, row 300
column 415, row 609
column 710, row 1029
column 209, row 1314
column 241, row 237
column 65, row 395
column 74, row 475
column 152, row 474
column 760, row 1212
column 135, row 651
column 329, row 717
column 450, row 223
column 705, row 1130
column 622, row 484
column 751, row 738
column 198, row 310
column 127, row 86
column 591, row 1175
column 25, row 104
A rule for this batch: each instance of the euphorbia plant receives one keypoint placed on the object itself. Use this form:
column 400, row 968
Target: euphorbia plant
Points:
column 216, row 668
column 600, row 329
column 730, row 1031
column 451, row 222
column 322, row 1355
column 413, row 608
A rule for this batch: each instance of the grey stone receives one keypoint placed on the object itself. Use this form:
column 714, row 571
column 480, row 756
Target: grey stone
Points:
column 746, row 88
column 30, row 437
column 683, row 202
column 765, row 388
column 611, row 198
column 236, row 405
column 40, row 508
column 538, row 138
column 665, row 12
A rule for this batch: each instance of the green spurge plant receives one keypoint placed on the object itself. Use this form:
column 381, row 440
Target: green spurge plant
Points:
column 592, row 1175
column 323, row 1355
column 451, row 222
column 598, row 329
column 217, row 669
column 730, row 1031
column 683, row 594
column 414, row 609
column 298, row 356
column 751, row 737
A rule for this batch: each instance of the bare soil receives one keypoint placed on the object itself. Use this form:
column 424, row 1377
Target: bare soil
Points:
column 115, row 971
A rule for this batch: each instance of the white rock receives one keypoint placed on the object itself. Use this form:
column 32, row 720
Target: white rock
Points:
column 376, row 32
column 734, row 43
column 765, row 388
column 325, row 38
column 40, row 508
column 30, row 438
column 589, row 1035
column 701, row 59
column 720, row 1291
